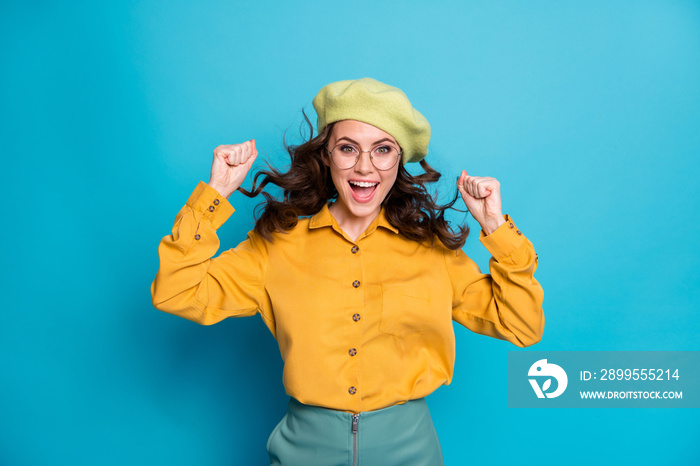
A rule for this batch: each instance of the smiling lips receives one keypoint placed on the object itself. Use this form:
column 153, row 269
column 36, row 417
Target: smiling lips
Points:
column 363, row 191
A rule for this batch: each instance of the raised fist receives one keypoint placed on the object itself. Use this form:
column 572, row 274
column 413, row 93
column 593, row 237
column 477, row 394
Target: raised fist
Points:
column 231, row 165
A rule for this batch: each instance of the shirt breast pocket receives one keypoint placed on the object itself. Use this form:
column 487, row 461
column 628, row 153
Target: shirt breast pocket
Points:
column 405, row 309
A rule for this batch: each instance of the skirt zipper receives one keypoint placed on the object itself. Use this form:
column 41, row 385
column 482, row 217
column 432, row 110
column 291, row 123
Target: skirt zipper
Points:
column 355, row 419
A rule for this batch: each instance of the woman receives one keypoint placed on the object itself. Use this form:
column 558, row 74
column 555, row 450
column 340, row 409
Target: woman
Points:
column 360, row 293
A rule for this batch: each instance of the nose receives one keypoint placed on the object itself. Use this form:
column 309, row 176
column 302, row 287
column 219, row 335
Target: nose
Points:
column 364, row 165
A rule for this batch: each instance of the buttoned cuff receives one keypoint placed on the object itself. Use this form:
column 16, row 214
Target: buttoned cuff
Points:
column 211, row 204
column 503, row 241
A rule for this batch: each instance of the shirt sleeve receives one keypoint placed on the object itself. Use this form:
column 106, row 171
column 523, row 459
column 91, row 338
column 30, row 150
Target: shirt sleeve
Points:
column 507, row 304
column 190, row 283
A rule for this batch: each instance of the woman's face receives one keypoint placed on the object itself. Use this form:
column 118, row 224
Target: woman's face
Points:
column 362, row 188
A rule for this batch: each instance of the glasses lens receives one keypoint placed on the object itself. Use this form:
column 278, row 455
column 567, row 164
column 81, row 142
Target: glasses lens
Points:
column 385, row 157
column 345, row 155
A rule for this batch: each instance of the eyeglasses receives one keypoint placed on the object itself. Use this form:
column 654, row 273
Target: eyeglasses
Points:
column 382, row 156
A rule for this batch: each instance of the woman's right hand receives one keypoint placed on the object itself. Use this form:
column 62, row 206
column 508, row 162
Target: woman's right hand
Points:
column 231, row 165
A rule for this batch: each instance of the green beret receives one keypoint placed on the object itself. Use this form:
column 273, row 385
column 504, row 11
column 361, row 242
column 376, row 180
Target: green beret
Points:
column 378, row 104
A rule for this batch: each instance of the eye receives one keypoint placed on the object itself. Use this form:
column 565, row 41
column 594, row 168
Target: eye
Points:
column 383, row 150
column 347, row 149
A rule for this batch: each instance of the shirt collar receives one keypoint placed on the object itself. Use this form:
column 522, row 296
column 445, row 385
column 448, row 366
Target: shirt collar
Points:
column 324, row 218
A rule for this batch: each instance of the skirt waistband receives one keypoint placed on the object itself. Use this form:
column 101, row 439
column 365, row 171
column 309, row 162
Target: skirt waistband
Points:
column 393, row 436
column 411, row 405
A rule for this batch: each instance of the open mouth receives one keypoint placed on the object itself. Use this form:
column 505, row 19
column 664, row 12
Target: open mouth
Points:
column 363, row 191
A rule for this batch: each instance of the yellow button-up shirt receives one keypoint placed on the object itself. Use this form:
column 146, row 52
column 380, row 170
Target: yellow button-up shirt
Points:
column 361, row 325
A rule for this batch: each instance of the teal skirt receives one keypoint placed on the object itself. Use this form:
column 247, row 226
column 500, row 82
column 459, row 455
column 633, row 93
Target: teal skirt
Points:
column 398, row 435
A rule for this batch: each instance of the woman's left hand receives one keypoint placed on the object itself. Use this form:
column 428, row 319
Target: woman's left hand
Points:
column 482, row 196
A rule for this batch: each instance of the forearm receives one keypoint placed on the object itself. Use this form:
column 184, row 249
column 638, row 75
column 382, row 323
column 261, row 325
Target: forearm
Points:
column 226, row 193
column 185, row 255
column 507, row 303
column 490, row 225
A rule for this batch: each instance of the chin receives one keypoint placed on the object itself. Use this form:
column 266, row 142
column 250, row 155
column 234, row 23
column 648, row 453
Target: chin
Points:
column 365, row 210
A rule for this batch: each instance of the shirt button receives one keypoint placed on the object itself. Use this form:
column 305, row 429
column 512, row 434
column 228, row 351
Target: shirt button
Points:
column 356, row 283
column 511, row 225
column 354, row 249
column 518, row 232
column 352, row 390
column 216, row 202
column 356, row 317
column 211, row 208
column 197, row 237
column 352, row 352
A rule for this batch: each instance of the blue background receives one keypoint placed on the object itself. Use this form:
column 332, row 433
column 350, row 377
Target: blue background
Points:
column 587, row 112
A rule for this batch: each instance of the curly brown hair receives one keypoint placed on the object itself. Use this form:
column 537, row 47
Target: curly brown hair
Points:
column 308, row 185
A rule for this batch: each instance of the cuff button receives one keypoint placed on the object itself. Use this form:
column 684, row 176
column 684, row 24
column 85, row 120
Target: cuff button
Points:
column 197, row 237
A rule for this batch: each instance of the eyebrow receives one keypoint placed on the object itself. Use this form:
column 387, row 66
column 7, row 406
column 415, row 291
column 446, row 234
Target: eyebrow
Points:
column 357, row 143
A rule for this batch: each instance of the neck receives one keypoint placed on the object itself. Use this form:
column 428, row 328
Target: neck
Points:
column 352, row 225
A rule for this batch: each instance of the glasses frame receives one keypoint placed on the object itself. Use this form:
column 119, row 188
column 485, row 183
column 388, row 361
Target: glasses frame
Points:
column 357, row 157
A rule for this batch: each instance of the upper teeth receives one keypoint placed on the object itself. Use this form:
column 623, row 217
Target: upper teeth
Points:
column 364, row 184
